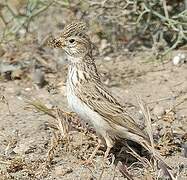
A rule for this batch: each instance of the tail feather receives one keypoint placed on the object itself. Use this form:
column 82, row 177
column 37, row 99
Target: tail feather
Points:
column 147, row 145
column 156, row 154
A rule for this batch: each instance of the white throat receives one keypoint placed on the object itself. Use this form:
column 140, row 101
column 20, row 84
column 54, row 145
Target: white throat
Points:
column 74, row 59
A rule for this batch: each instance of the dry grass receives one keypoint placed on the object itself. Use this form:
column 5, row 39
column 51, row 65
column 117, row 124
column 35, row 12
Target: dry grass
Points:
column 164, row 167
column 61, row 136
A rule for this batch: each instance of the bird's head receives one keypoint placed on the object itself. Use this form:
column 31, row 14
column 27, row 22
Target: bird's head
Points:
column 73, row 40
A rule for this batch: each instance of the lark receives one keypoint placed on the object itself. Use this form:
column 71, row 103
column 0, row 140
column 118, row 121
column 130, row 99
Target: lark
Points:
column 89, row 98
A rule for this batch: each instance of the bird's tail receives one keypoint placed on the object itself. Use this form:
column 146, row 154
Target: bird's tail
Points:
column 146, row 143
column 156, row 155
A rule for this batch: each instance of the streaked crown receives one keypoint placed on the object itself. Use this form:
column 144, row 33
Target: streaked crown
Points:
column 76, row 28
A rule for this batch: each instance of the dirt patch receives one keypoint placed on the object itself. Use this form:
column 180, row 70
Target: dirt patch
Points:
column 30, row 145
column 26, row 135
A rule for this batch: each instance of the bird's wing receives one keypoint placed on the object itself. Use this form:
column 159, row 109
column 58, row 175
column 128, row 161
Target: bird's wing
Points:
column 100, row 100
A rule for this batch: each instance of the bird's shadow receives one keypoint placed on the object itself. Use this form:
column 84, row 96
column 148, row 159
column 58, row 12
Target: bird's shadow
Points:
column 128, row 152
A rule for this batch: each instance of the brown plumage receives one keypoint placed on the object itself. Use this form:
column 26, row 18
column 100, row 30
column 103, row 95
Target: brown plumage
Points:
column 89, row 98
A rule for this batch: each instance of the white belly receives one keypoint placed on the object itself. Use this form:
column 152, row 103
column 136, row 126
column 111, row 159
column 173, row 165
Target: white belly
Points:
column 79, row 107
column 86, row 113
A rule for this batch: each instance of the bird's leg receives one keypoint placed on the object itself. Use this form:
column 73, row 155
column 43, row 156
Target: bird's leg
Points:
column 107, row 152
column 90, row 159
column 109, row 144
column 95, row 150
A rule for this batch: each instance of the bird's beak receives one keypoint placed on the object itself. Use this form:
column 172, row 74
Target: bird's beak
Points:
column 56, row 42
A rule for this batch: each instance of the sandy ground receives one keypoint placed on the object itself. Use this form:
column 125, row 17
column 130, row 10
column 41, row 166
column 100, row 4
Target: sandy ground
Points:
column 26, row 135
column 30, row 144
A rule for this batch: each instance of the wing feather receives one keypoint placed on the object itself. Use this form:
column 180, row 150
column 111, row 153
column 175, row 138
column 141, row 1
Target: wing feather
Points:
column 100, row 100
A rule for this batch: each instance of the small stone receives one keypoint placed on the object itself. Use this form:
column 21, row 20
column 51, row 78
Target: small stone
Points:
column 28, row 89
column 107, row 58
column 176, row 60
column 179, row 59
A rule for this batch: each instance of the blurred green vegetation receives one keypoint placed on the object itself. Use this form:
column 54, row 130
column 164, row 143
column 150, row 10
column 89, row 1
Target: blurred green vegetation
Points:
column 18, row 14
column 125, row 23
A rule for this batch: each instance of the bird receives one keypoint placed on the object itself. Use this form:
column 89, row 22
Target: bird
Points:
column 89, row 98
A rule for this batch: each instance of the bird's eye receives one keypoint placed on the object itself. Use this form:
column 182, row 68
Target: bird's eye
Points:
column 72, row 40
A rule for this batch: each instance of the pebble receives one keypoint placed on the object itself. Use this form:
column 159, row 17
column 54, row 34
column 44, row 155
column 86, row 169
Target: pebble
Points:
column 28, row 89
column 107, row 58
column 179, row 59
column 176, row 60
